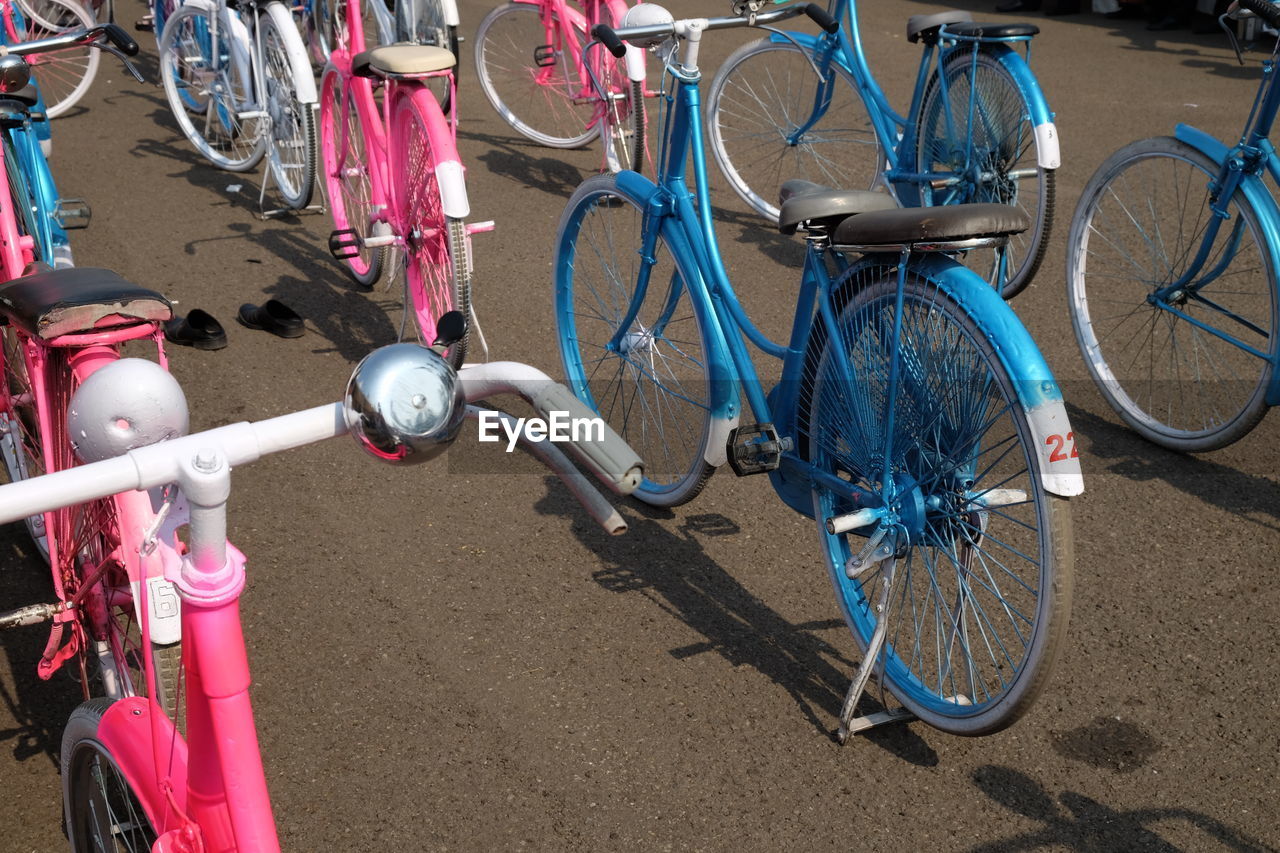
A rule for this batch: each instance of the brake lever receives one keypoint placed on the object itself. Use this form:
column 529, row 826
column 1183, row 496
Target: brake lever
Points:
column 118, row 54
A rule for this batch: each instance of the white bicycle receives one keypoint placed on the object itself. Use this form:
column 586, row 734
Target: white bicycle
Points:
column 240, row 84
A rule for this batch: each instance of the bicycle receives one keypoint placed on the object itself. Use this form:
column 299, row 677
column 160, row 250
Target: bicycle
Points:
column 65, row 75
column 1181, row 232
column 978, row 128
column 916, row 421
column 393, row 176
column 240, row 85
column 132, row 780
column 534, row 69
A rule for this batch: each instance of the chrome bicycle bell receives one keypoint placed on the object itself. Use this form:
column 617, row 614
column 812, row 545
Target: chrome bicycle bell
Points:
column 15, row 73
column 647, row 15
column 404, row 404
column 126, row 404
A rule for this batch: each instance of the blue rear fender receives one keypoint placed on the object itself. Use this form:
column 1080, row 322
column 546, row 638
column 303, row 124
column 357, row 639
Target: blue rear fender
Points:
column 1048, row 155
column 1256, row 193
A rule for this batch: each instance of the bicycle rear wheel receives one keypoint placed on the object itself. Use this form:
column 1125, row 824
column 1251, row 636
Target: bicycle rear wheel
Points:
column 436, row 246
column 292, row 154
column 529, row 75
column 761, row 96
column 653, row 387
column 63, row 76
column 981, row 554
column 348, row 184
column 199, row 71
column 102, row 811
column 997, row 142
column 1141, row 222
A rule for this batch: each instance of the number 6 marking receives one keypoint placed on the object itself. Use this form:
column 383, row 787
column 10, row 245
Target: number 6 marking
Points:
column 1059, row 442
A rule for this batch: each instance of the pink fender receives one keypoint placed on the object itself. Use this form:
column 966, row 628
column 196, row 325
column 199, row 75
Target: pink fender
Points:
column 444, row 151
column 127, row 731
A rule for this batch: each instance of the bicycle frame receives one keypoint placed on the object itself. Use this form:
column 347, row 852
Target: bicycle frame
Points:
column 684, row 221
column 1242, row 168
column 896, row 133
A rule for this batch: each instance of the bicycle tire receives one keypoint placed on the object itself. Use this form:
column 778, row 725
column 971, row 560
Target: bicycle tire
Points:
column 1178, row 385
column 99, row 806
column 534, row 97
column 291, row 154
column 764, row 91
column 1006, row 148
column 960, row 433
column 64, row 76
column 436, row 251
column 592, row 295
column 195, row 69
column 348, row 184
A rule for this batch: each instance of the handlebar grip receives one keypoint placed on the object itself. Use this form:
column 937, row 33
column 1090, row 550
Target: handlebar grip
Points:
column 1268, row 12
column 121, row 39
column 819, row 16
column 607, row 37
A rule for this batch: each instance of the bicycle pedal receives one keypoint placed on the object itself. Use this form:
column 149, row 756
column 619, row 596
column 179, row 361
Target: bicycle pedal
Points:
column 345, row 244
column 72, row 213
column 755, row 449
column 544, row 55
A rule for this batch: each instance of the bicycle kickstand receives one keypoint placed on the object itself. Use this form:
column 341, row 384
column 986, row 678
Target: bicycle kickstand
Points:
column 848, row 723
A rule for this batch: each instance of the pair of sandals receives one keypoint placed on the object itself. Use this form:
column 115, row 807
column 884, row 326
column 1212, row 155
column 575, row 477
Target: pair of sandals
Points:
column 201, row 330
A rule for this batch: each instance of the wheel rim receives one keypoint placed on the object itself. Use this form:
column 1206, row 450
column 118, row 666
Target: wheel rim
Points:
column 653, row 388
column 290, row 149
column 106, row 815
column 1138, row 236
column 965, row 610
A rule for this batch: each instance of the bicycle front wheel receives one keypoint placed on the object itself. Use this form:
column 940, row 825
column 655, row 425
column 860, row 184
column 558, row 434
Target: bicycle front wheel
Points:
column 207, row 69
column 529, row 73
column 761, row 97
column 1165, row 297
column 979, row 131
column 63, row 76
column 292, row 152
column 649, row 380
column 102, row 811
column 437, row 265
column 348, row 183
column 981, row 554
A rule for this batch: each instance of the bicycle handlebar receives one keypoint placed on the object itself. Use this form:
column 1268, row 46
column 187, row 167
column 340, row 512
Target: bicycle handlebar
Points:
column 607, row 37
column 611, row 37
column 1268, row 12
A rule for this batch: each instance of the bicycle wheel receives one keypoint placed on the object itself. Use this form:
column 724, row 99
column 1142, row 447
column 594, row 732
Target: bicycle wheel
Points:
column 102, row 811
column 529, row 74
column 981, row 555
column 437, row 265
column 20, row 441
column 62, row 76
column 199, row 66
column 291, row 155
column 998, row 144
column 1141, row 221
column 622, row 115
column 346, row 175
column 653, row 387
column 759, row 99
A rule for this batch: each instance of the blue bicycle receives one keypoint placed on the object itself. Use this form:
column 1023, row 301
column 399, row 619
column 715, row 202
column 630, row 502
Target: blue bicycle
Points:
column 795, row 105
column 916, row 420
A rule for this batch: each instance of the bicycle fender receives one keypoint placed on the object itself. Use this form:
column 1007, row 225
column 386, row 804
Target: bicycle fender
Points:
column 130, row 734
column 725, row 407
column 303, row 77
column 1033, row 381
column 450, row 10
column 1048, row 155
column 1257, row 194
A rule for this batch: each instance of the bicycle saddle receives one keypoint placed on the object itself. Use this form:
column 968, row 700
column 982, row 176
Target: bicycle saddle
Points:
column 948, row 223
column 925, row 27
column 50, row 303
column 402, row 59
column 991, row 30
column 804, row 201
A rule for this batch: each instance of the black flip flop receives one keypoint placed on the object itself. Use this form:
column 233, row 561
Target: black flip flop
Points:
column 272, row 316
column 198, row 329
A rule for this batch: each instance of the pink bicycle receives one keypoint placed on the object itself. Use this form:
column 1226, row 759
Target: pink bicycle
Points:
column 392, row 172
column 534, row 68
column 131, row 779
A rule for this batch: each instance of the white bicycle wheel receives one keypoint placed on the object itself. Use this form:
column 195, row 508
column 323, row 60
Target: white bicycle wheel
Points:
column 291, row 155
column 207, row 79
column 63, row 76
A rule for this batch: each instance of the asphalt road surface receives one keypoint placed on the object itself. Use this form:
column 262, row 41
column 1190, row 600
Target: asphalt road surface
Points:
column 454, row 657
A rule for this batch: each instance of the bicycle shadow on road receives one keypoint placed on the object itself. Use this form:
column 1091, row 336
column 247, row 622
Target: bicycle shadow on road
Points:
column 1118, row 450
column 671, row 568
column 1087, row 825
column 505, row 157
column 32, row 712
